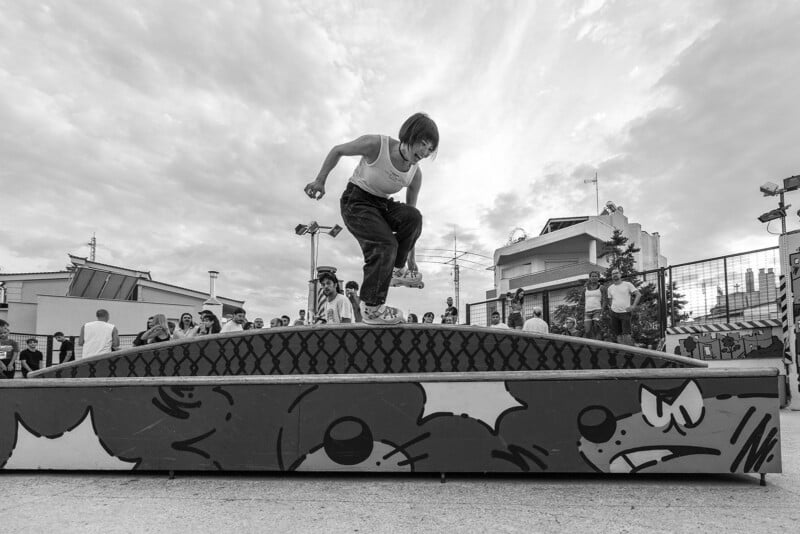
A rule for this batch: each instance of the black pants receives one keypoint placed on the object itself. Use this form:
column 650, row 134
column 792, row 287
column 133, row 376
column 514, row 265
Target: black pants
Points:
column 386, row 230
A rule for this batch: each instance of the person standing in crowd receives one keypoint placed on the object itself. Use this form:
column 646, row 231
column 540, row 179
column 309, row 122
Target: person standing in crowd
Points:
column 412, row 318
column 31, row 358
column 302, row 318
column 9, row 351
column 67, row 349
column 386, row 230
column 236, row 324
column 158, row 331
column 449, row 311
column 275, row 322
column 351, row 292
column 209, row 324
column 570, row 327
column 98, row 337
column 258, row 323
column 496, row 321
column 536, row 323
column 427, row 318
column 515, row 319
column 621, row 310
column 594, row 302
column 186, row 327
column 336, row 308
column 285, row 320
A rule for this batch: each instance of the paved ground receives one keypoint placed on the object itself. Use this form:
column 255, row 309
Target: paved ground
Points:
column 107, row 503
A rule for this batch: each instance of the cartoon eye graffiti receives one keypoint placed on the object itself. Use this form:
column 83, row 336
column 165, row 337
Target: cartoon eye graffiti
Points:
column 685, row 410
column 597, row 424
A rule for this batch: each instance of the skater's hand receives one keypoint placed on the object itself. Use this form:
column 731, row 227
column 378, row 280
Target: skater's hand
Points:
column 315, row 190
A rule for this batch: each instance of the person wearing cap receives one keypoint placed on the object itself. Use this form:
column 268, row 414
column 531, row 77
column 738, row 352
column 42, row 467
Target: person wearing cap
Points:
column 336, row 308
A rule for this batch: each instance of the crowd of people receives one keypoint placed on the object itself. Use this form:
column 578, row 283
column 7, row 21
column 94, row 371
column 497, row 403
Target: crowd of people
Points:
column 614, row 301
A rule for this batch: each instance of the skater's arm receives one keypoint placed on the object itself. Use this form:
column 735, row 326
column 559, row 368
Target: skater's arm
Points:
column 367, row 146
column 412, row 193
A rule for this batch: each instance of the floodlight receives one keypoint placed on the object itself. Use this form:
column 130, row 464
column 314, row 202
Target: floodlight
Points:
column 777, row 213
column 791, row 183
column 335, row 230
column 313, row 226
column 769, row 189
column 300, row 229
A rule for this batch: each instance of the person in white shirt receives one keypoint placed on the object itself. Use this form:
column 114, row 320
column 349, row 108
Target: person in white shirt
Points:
column 186, row 327
column 98, row 337
column 496, row 321
column 536, row 323
column 594, row 301
column 336, row 308
column 236, row 324
column 619, row 295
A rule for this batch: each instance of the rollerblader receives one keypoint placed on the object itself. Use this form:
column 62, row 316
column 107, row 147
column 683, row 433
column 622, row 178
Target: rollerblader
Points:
column 386, row 230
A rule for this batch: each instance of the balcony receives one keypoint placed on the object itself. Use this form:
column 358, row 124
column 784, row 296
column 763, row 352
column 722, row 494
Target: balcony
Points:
column 568, row 273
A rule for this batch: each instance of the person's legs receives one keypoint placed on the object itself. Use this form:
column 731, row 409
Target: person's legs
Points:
column 626, row 337
column 406, row 222
column 364, row 216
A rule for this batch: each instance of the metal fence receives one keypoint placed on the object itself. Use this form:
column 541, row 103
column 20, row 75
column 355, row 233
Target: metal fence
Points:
column 737, row 287
column 50, row 347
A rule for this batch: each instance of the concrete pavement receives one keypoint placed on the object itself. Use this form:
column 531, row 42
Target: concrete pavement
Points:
column 108, row 503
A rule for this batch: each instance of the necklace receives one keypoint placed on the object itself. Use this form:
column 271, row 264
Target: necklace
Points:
column 400, row 150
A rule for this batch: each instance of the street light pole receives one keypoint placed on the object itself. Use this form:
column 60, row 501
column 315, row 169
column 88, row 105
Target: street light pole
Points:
column 313, row 229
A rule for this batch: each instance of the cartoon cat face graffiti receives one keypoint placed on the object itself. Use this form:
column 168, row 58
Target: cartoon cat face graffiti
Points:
column 680, row 431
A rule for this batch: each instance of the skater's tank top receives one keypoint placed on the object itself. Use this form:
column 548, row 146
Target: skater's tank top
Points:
column 381, row 178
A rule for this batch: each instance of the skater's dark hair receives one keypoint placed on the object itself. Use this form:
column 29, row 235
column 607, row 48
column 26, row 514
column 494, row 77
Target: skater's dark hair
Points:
column 327, row 275
column 419, row 127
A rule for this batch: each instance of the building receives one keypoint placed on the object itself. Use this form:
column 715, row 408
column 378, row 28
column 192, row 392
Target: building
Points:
column 564, row 253
column 42, row 303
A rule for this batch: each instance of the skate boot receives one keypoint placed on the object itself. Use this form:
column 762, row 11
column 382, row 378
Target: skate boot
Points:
column 382, row 314
column 404, row 277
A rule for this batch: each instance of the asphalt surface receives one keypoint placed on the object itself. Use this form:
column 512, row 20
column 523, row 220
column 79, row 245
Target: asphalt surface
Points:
column 152, row 502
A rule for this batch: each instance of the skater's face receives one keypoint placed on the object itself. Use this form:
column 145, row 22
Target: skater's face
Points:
column 419, row 151
column 328, row 288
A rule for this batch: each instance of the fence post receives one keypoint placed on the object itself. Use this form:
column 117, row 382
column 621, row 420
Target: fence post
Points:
column 662, row 309
column 48, row 355
column 469, row 307
column 727, row 299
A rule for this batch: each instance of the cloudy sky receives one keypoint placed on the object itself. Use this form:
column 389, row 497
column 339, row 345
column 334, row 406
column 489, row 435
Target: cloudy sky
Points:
column 182, row 132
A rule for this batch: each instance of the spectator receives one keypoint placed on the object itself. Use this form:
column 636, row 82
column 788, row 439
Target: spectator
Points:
column 594, row 301
column 171, row 325
column 248, row 325
column 496, row 321
column 412, row 318
column 336, row 308
column 515, row 302
column 9, row 351
column 98, row 337
column 619, row 296
column 67, row 349
column 186, row 327
column 536, row 323
column 158, row 331
column 209, row 324
column 140, row 340
column 31, row 358
column 570, row 327
column 236, row 324
column 302, row 318
column 285, row 320
column 450, row 310
column 258, row 322
column 275, row 322
column 351, row 291
column 427, row 318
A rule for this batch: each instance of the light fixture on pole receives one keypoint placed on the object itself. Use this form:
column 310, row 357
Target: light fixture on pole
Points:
column 770, row 189
column 596, row 191
column 313, row 229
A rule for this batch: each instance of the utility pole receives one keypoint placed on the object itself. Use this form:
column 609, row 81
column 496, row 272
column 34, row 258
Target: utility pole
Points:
column 92, row 247
column 596, row 191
